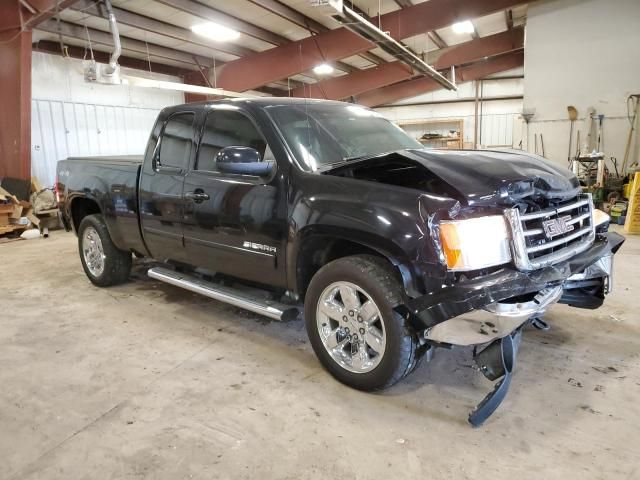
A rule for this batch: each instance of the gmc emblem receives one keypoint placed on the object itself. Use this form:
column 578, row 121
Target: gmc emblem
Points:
column 557, row 226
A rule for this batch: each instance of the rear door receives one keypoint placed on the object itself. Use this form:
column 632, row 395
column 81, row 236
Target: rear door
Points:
column 161, row 187
column 237, row 223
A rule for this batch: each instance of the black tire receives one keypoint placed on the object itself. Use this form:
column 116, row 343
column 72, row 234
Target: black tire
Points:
column 375, row 276
column 117, row 263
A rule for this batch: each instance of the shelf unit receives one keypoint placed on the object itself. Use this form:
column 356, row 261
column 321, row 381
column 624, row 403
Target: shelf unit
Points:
column 441, row 126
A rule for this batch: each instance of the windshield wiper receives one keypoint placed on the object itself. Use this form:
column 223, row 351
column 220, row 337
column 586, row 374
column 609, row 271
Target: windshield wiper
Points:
column 329, row 166
column 356, row 158
column 371, row 155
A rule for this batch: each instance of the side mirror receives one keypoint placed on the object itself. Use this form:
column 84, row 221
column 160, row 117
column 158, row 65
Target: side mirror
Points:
column 243, row 161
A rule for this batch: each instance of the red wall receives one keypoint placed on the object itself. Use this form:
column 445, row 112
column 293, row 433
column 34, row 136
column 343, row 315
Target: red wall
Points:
column 15, row 106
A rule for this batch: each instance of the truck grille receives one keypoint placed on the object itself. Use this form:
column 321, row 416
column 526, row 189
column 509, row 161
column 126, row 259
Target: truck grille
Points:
column 552, row 235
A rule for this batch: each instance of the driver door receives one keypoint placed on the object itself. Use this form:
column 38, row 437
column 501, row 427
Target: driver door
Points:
column 234, row 224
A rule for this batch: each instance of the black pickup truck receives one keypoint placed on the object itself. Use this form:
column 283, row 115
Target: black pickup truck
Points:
column 392, row 250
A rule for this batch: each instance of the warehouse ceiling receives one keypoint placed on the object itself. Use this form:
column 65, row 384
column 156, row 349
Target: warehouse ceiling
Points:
column 280, row 42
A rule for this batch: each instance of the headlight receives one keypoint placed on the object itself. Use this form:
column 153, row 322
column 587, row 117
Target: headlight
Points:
column 600, row 218
column 475, row 243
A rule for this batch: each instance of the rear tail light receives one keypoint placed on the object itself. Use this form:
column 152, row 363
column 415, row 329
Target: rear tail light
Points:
column 56, row 189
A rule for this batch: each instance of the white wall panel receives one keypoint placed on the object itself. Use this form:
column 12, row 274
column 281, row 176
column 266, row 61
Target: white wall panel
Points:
column 73, row 118
column 594, row 63
column 498, row 119
column 66, row 129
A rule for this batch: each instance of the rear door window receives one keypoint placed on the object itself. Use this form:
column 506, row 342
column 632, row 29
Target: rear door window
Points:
column 177, row 141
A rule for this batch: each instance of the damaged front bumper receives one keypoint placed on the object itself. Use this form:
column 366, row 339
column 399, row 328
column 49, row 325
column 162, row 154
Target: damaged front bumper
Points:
column 493, row 321
column 494, row 308
column 493, row 293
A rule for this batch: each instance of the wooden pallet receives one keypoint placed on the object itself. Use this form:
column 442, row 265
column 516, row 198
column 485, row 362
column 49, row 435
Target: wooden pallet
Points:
column 6, row 229
column 10, row 239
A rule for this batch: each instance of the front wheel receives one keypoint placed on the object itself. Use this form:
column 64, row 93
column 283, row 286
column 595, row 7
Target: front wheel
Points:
column 102, row 261
column 352, row 325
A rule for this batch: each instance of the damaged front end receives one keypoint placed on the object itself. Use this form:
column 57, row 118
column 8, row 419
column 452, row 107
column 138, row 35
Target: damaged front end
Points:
column 558, row 253
column 500, row 237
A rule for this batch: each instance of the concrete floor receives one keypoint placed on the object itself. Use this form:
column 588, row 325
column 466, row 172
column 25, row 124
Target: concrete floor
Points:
column 148, row 381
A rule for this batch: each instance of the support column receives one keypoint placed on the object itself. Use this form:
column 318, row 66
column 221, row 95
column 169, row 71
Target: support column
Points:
column 15, row 104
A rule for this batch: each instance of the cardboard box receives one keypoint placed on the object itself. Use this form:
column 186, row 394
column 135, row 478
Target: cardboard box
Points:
column 5, row 196
column 36, row 186
column 6, row 208
column 33, row 219
column 4, row 219
column 10, row 204
column 16, row 212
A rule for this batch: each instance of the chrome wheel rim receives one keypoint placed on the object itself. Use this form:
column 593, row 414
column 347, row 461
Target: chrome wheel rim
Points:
column 92, row 251
column 351, row 327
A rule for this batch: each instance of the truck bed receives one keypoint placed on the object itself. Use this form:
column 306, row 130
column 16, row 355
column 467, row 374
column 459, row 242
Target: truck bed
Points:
column 111, row 182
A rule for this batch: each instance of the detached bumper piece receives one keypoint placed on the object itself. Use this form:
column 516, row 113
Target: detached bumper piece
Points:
column 496, row 362
column 494, row 321
column 496, row 307
column 588, row 288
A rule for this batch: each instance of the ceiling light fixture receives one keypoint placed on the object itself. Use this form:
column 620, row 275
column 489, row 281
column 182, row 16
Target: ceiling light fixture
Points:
column 216, row 32
column 463, row 27
column 323, row 69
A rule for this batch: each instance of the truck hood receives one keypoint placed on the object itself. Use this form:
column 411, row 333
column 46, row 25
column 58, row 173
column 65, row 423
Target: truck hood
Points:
column 474, row 177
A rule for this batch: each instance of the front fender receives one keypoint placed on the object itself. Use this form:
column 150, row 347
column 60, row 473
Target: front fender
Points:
column 394, row 221
column 372, row 241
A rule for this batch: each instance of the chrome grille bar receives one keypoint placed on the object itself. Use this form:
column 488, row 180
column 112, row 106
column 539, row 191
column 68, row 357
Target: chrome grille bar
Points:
column 582, row 217
column 560, row 255
column 548, row 213
column 528, row 253
column 555, row 243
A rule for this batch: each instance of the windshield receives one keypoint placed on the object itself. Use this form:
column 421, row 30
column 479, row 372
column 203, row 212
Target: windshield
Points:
column 321, row 135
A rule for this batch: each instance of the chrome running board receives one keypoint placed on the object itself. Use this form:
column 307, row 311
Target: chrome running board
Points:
column 232, row 296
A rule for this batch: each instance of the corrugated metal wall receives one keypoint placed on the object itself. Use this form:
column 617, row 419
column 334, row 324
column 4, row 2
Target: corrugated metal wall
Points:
column 500, row 124
column 69, row 129
column 496, row 130
column 70, row 117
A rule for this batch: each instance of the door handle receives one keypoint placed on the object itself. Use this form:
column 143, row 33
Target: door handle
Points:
column 197, row 196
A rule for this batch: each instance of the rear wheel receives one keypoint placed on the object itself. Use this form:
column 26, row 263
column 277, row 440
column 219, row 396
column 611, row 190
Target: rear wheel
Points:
column 352, row 325
column 102, row 261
